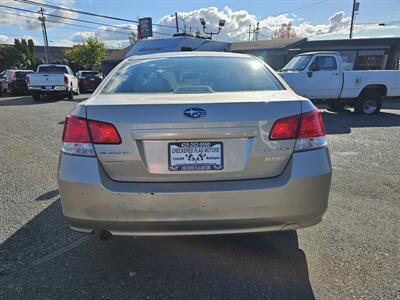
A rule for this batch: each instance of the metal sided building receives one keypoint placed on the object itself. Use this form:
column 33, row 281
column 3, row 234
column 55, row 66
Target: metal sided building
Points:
column 357, row 54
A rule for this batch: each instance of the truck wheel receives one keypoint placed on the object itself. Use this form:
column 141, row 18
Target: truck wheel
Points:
column 71, row 94
column 368, row 106
column 36, row 96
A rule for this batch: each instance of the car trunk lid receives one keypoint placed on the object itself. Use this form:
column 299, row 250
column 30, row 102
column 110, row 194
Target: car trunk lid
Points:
column 236, row 126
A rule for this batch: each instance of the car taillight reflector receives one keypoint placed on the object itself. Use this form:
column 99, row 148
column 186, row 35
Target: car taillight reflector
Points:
column 312, row 125
column 308, row 129
column 285, row 129
column 66, row 81
column 103, row 133
column 80, row 134
column 75, row 130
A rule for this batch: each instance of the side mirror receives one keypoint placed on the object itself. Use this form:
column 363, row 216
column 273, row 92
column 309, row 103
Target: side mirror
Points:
column 314, row 68
column 309, row 74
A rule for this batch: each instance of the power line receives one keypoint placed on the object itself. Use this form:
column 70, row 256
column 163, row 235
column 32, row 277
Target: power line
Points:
column 68, row 18
column 84, row 12
column 66, row 23
column 79, row 20
column 297, row 8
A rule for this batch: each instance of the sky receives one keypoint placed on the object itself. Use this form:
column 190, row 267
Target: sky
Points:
column 314, row 19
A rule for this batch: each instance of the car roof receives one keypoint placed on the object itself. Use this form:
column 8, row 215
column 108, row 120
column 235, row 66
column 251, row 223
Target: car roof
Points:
column 188, row 54
column 52, row 65
column 319, row 52
column 17, row 70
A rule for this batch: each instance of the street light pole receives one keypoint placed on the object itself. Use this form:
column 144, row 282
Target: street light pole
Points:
column 176, row 22
column 355, row 9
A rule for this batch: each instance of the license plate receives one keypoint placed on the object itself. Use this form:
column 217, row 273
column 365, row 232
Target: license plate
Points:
column 91, row 79
column 48, row 87
column 195, row 156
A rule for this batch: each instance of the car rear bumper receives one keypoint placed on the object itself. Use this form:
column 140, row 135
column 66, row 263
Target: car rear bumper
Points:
column 295, row 199
column 54, row 89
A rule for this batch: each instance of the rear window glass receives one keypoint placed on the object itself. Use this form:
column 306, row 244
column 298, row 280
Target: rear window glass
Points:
column 89, row 74
column 192, row 75
column 53, row 69
column 21, row 75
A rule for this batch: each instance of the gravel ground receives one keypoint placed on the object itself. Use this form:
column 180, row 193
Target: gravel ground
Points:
column 353, row 253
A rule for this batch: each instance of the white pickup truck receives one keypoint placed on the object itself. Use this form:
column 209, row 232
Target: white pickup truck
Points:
column 320, row 76
column 57, row 80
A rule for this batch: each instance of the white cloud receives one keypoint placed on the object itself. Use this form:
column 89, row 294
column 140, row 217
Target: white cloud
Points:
column 237, row 25
column 30, row 21
column 235, row 29
column 4, row 39
column 80, row 37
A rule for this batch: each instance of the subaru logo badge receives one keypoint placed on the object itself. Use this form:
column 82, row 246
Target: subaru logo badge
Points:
column 194, row 112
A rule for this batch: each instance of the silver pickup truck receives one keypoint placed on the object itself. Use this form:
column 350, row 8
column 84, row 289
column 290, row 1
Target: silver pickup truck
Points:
column 56, row 80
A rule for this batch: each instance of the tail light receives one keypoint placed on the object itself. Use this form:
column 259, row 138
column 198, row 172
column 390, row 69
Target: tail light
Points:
column 66, row 81
column 285, row 129
column 27, row 80
column 307, row 128
column 80, row 134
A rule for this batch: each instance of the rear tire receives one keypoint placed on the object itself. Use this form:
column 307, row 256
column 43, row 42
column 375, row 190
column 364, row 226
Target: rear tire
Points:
column 368, row 106
column 71, row 94
column 36, row 96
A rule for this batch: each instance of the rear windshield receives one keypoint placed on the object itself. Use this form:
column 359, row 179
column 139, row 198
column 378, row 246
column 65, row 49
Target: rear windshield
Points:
column 21, row 75
column 89, row 74
column 192, row 75
column 53, row 69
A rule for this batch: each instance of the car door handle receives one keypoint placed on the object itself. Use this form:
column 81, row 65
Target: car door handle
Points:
column 335, row 73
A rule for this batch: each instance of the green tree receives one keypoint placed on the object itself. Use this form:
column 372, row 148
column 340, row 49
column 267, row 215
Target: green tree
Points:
column 132, row 38
column 6, row 56
column 87, row 56
column 22, row 56
column 31, row 47
column 19, row 58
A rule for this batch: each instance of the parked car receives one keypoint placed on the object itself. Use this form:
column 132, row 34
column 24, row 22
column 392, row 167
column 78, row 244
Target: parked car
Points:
column 3, row 90
column 55, row 80
column 320, row 76
column 193, row 143
column 12, row 82
column 88, row 80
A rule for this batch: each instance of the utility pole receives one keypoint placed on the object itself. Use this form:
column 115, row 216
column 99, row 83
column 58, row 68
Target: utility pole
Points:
column 176, row 22
column 356, row 6
column 45, row 40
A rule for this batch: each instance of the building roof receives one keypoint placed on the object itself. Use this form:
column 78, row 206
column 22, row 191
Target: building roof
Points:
column 118, row 55
column 266, row 44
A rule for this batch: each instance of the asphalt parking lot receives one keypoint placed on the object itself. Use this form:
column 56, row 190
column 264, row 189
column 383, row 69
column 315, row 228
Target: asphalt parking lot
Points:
column 353, row 253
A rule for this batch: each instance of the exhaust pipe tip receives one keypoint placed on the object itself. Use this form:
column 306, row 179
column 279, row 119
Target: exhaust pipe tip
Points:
column 104, row 235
